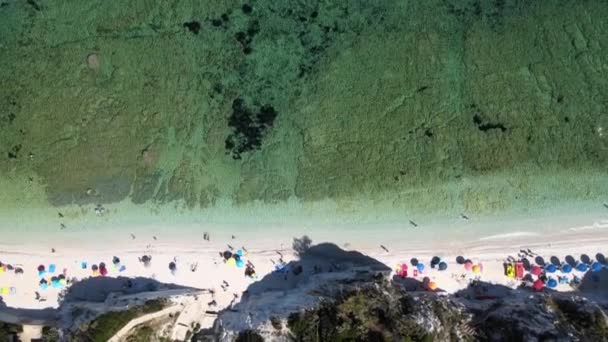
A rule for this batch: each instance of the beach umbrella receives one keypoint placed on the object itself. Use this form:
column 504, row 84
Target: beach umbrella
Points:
column 566, row 268
column 550, row 268
column 172, row 266
column 476, row 269
column 582, row 267
column 420, row 267
column 585, row 259
column 432, row 285
column 103, row 270
column 240, row 263
column 460, row 260
column 468, row 265
column 18, row 270
column 536, row 270
column 596, row 267
column 600, row 258
column 403, row 271
column 552, row 283
column 231, row 262
column 443, row 266
column 115, row 260
column 414, row 262
column 227, row 255
column 538, row 285
column 83, row 265
column 94, row 268
column 41, row 268
column 52, row 268
column 435, row 261
column 239, row 252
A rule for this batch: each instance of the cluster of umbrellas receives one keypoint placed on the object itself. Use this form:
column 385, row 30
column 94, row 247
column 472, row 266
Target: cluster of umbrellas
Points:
column 419, row 267
column 237, row 259
column 234, row 259
column 4, row 268
column 584, row 265
column 54, row 281
column 101, row 270
column 469, row 265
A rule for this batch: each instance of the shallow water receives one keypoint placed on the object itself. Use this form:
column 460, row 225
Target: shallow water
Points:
column 351, row 112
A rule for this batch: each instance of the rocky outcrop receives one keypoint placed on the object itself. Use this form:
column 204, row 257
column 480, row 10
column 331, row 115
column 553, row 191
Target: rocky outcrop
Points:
column 333, row 295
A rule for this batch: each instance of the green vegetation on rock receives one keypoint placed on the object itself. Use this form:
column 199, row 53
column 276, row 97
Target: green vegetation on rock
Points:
column 108, row 324
column 8, row 331
column 376, row 315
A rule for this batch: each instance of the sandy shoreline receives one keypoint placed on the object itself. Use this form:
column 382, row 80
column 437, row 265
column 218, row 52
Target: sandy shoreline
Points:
column 590, row 236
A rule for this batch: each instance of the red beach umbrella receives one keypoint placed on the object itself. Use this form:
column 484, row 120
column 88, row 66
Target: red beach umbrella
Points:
column 536, row 270
column 468, row 265
column 538, row 285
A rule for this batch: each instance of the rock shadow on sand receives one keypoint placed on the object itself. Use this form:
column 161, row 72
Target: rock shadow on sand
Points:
column 97, row 289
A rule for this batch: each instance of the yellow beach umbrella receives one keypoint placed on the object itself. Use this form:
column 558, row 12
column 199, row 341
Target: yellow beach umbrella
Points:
column 231, row 262
column 476, row 269
column 4, row 290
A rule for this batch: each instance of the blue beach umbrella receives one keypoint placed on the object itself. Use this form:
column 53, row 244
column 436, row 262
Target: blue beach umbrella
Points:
column 239, row 252
column 596, row 267
column 566, row 268
column 550, row 268
column 240, row 263
column 52, row 268
column 420, row 267
column 552, row 283
column 582, row 267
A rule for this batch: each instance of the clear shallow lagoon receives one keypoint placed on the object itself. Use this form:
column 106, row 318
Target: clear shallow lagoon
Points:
column 290, row 114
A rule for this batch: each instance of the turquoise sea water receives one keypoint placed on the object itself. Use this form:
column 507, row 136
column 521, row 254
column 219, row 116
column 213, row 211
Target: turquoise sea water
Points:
column 290, row 114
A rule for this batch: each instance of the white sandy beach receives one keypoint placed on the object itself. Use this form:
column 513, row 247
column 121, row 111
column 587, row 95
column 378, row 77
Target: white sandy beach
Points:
column 186, row 246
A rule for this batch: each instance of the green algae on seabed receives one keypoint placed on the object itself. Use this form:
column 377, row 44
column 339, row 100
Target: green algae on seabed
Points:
column 438, row 105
